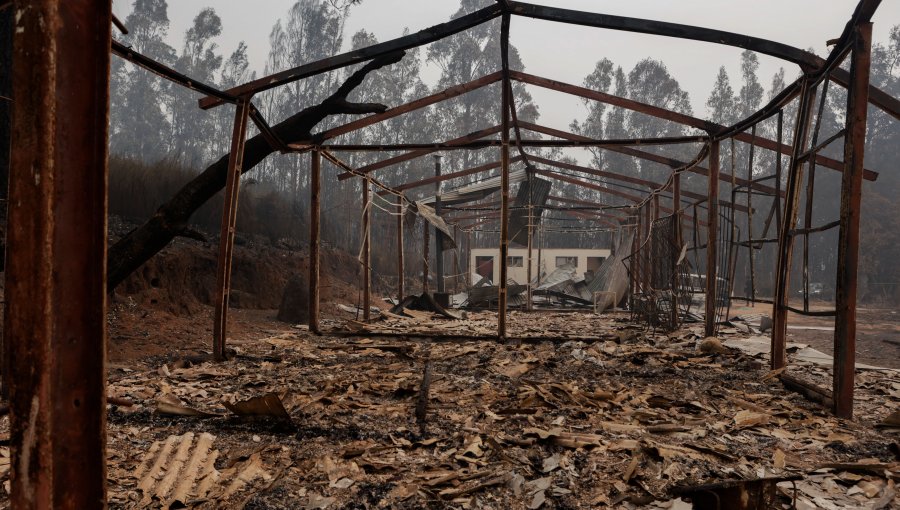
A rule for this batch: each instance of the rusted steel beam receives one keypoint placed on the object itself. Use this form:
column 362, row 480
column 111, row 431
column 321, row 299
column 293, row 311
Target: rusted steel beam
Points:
column 55, row 306
column 400, row 269
column 712, row 236
column 751, row 253
column 806, row 60
column 624, row 178
column 331, row 158
column 505, row 93
column 590, row 185
column 446, row 177
column 367, row 250
column 810, row 192
column 419, row 153
column 484, row 144
column 848, row 242
column 315, row 211
column 229, row 221
column 649, row 156
column 438, row 240
column 406, row 42
column 166, row 72
column 417, row 104
column 783, row 51
column 662, row 113
column 788, row 220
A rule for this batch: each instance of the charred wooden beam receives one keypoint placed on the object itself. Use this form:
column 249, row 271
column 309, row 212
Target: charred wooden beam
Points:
column 129, row 252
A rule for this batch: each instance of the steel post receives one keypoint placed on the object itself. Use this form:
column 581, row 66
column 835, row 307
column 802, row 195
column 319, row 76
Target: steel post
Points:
column 229, row 221
column 848, row 244
column 712, row 239
column 785, row 239
column 505, row 89
column 438, row 240
column 55, row 306
column 400, row 271
column 315, row 210
column 367, row 251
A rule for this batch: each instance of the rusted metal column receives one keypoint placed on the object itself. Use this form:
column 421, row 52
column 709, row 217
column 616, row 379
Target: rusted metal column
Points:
column 504, row 178
column 636, row 250
column 315, row 210
column 226, row 234
column 540, row 249
column 528, row 303
column 426, row 241
column 676, row 207
column 367, row 252
column 676, row 192
column 780, row 134
column 438, row 240
column 751, row 254
column 788, row 220
column 646, row 264
column 400, row 271
column 655, row 207
column 712, row 238
column 848, row 244
column 55, row 306
column 810, row 195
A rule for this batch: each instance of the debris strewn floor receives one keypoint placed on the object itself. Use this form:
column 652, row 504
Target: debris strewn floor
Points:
column 299, row 421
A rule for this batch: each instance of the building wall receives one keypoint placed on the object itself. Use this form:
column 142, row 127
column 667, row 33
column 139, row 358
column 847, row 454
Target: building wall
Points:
column 548, row 261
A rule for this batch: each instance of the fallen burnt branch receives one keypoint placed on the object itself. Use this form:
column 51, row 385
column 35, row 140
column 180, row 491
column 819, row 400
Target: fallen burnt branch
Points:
column 170, row 220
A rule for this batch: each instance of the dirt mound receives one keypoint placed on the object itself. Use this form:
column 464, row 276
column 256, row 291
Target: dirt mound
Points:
column 181, row 279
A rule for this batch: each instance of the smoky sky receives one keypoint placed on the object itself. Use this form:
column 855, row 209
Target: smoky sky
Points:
column 568, row 53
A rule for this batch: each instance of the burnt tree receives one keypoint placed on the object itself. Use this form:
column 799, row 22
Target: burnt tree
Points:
column 171, row 219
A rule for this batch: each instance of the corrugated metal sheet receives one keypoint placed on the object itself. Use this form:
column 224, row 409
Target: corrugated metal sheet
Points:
column 476, row 191
column 533, row 191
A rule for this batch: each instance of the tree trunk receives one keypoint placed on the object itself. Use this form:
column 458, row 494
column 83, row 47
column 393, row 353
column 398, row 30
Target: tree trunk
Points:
column 130, row 252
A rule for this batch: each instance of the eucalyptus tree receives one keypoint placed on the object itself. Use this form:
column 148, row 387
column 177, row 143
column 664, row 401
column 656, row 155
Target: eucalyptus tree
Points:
column 139, row 123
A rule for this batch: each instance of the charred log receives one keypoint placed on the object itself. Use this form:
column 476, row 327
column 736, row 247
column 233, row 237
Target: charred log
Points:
column 171, row 219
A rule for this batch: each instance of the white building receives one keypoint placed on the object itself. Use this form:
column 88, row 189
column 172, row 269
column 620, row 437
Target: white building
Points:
column 483, row 262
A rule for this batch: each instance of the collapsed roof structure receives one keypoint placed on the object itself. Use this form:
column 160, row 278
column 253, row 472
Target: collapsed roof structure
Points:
column 57, row 272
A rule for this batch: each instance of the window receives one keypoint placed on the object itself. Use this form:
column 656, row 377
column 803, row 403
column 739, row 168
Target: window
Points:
column 562, row 261
column 515, row 261
column 594, row 263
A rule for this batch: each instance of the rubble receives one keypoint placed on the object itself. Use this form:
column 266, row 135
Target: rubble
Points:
column 620, row 418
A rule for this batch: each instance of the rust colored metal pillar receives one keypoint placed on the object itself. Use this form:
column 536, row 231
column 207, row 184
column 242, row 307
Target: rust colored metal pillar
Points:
column 438, row 240
column 426, row 241
column 785, row 239
column 810, row 195
column 712, row 238
column 751, row 252
column 848, row 245
column 367, row 252
column 400, row 271
column 504, row 179
column 229, row 221
column 528, row 304
column 648, row 251
column 55, row 306
column 315, row 211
